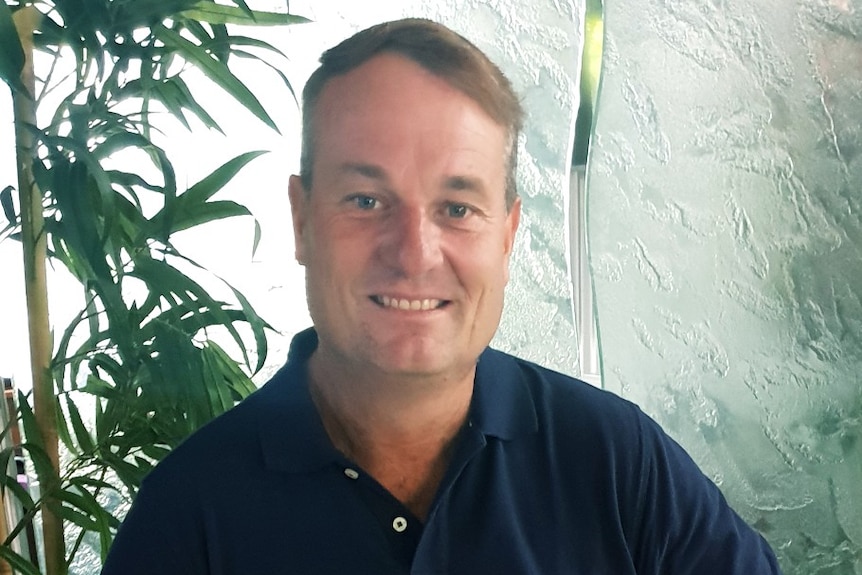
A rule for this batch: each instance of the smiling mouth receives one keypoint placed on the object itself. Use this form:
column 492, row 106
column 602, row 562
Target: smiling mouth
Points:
column 408, row 304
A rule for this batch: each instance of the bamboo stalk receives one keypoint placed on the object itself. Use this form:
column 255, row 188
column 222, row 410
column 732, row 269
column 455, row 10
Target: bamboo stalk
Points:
column 35, row 246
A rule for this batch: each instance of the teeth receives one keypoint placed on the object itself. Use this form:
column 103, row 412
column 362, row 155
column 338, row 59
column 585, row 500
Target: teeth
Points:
column 408, row 304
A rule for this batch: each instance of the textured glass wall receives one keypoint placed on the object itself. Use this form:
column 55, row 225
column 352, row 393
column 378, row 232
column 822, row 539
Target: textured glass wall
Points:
column 724, row 194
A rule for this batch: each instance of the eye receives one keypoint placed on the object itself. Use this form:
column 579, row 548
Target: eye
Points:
column 364, row 202
column 457, row 211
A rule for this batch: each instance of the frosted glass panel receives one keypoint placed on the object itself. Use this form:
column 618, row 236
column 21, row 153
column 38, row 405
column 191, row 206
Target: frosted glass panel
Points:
column 725, row 186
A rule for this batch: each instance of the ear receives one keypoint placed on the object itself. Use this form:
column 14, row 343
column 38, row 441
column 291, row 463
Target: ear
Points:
column 513, row 218
column 299, row 212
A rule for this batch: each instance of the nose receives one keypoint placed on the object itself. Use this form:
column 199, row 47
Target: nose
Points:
column 412, row 245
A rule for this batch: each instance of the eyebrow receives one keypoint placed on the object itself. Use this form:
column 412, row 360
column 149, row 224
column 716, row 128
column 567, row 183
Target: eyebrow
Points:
column 464, row 183
column 365, row 170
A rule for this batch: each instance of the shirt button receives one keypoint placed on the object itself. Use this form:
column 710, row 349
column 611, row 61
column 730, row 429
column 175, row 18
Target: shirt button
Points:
column 399, row 524
column 351, row 473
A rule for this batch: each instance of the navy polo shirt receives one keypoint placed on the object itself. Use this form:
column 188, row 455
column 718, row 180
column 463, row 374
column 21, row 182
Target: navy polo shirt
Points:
column 549, row 476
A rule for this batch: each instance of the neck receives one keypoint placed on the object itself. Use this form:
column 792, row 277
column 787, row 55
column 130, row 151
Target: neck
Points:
column 380, row 410
column 401, row 431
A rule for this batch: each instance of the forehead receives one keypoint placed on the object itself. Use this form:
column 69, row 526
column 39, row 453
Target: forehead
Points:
column 390, row 104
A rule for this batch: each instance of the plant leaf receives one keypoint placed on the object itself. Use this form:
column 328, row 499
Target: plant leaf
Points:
column 257, row 327
column 105, row 520
column 99, row 387
column 204, row 189
column 284, row 80
column 8, row 205
column 128, row 473
column 129, row 15
column 6, row 455
column 156, row 452
column 214, row 381
column 239, row 382
column 85, row 440
column 159, row 274
column 41, row 461
column 209, row 212
column 220, row 14
column 80, row 519
column 216, row 71
column 11, row 484
column 63, row 431
column 257, row 236
column 83, row 481
column 191, row 208
column 177, row 98
column 17, row 562
column 28, row 421
column 11, row 52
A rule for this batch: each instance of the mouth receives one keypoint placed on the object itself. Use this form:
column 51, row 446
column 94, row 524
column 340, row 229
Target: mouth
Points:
column 403, row 304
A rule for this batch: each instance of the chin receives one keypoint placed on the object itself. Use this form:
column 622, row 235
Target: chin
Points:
column 412, row 360
column 437, row 366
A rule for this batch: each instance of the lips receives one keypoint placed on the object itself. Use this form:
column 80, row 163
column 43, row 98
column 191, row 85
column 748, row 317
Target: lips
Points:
column 404, row 304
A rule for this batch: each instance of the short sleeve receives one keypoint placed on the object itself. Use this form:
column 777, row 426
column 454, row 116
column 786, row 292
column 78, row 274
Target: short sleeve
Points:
column 686, row 525
column 159, row 535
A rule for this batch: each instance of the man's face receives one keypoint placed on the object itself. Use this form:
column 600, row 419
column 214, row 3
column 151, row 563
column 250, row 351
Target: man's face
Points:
column 405, row 234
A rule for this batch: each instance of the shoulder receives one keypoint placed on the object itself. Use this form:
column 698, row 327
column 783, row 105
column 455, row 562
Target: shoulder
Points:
column 229, row 442
column 581, row 426
column 675, row 519
column 563, row 400
column 577, row 426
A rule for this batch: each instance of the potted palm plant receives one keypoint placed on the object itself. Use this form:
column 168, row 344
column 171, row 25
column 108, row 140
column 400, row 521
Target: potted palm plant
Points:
column 136, row 370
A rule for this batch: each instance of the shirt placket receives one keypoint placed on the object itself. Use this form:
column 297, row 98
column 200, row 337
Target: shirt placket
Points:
column 400, row 527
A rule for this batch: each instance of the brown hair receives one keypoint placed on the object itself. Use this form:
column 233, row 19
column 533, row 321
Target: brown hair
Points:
column 437, row 49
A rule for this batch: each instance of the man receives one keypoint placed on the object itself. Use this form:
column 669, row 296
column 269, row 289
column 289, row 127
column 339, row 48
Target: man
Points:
column 394, row 441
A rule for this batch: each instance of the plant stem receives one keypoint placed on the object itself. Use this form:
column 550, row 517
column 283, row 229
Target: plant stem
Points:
column 34, row 243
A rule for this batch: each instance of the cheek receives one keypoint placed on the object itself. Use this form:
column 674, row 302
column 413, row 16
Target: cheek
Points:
column 336, row 255
column 484, row 274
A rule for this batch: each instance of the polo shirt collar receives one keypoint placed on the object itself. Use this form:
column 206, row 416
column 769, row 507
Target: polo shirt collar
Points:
column 292, row 435
column 502, row 405
column 294, row 440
